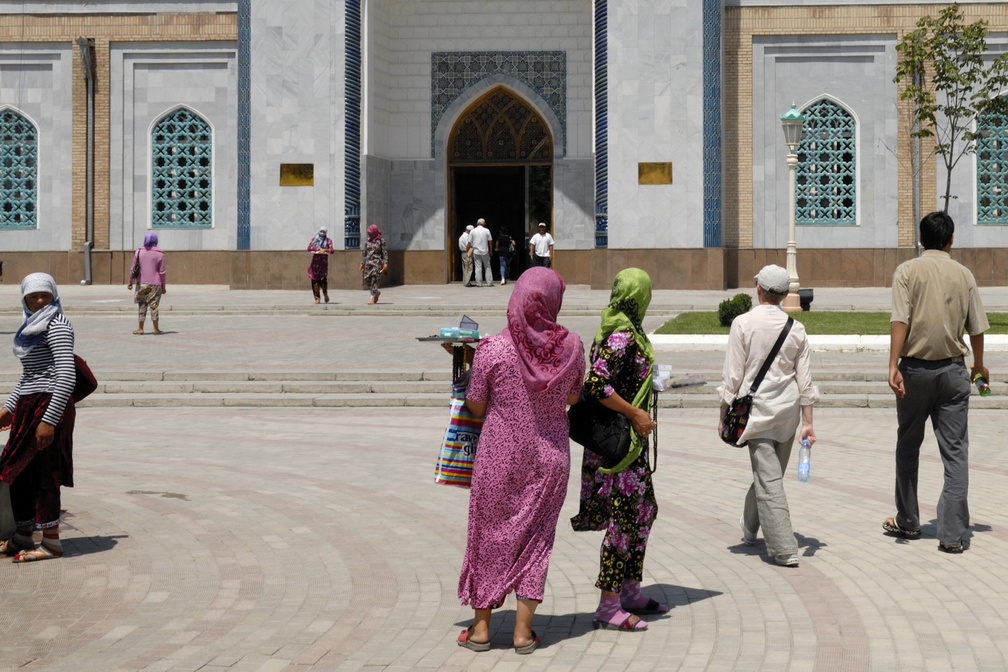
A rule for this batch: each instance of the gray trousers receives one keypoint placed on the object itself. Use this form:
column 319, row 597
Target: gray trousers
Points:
column 766, row 504
column 940, row 391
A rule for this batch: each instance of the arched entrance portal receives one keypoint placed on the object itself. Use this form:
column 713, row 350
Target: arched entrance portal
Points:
column 500, row 168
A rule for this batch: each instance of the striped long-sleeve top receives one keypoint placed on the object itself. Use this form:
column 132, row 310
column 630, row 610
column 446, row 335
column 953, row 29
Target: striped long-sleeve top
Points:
column 49, row 368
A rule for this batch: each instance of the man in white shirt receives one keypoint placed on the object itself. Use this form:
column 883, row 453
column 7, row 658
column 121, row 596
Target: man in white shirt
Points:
column 541, row 248
column 785, row 396
column 465, row 247
column 480, row 238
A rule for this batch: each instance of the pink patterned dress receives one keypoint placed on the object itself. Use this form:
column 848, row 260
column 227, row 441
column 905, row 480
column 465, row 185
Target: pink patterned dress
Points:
column 519, row 479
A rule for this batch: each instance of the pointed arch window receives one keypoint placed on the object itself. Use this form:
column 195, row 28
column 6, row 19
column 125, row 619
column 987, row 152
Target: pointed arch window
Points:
column 18, row 171
column 501, row 128
column 826, row 190
column 182, row 171
column 992, row 169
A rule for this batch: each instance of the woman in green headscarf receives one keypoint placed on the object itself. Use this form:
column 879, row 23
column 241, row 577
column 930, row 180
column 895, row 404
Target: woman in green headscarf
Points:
column 620, row 500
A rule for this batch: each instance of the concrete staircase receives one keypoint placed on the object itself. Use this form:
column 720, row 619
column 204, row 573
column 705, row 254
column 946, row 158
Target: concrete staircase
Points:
column 415, row 388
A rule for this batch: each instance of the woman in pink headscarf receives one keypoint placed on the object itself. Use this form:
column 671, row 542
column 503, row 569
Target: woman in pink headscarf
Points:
column 374, row 261
column 522, row 381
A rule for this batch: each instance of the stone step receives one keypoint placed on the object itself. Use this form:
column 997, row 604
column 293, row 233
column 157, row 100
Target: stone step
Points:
column 440, row 400
column 413, row 388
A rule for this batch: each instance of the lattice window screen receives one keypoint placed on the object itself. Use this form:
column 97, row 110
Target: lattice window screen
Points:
column 501, row 129
column 826, row 191
column 182, row 149
column 992, row 169
column 18, row 172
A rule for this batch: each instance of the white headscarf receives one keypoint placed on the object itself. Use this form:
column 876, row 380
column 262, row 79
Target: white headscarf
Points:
column 320, row 239
column 35, row 324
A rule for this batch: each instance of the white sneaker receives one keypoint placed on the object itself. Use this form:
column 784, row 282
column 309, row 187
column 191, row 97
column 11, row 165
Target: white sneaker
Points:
column 503, row 281
column 748, row 538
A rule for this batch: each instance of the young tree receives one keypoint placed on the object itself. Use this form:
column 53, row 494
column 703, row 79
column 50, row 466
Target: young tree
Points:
column 950, row 83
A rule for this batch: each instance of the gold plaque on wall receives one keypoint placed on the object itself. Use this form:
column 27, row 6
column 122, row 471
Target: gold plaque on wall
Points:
column 654, row 173
column 297, row 174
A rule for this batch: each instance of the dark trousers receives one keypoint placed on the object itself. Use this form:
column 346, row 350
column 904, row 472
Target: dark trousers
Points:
column 940, row 391
column 320, row 285
column 540, row 261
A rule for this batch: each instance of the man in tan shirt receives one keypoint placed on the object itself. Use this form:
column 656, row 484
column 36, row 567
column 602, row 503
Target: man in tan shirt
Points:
column 935, row 300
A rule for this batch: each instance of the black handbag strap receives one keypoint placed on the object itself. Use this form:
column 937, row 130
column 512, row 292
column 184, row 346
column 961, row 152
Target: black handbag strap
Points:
column 773, row 353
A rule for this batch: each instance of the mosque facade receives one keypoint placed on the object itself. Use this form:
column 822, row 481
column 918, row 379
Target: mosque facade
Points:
column 642, row 132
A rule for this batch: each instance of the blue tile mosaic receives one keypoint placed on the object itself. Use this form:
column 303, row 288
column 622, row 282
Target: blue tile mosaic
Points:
column 453, row 72
column 712, row 123
column 601, row 125
column 352, row 132
column 244, row 240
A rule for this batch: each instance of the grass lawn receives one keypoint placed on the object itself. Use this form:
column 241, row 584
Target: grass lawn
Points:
column 818, row 323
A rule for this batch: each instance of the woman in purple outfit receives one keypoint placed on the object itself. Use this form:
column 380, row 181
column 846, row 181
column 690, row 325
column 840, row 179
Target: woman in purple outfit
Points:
column 150, row 282
column 522, row 380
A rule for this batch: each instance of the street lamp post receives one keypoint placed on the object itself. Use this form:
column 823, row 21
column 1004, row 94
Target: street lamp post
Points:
column 792, row 122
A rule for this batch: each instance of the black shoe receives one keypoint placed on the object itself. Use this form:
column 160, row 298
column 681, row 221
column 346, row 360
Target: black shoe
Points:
column 892, row 527
column 954, row 548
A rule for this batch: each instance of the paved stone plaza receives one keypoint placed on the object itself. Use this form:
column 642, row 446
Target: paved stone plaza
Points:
column 260, row 539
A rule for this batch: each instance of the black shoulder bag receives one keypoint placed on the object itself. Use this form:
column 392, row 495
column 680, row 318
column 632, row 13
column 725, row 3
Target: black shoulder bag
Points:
column 737, row 416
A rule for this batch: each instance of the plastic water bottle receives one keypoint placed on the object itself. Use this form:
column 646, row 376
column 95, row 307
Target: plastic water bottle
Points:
column 804, row 461
column 981, row 384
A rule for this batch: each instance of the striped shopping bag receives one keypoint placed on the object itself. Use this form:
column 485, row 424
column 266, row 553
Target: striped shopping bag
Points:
column 458, row 450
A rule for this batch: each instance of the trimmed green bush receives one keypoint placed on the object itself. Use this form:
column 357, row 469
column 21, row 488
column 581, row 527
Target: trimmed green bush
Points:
column 729, row 309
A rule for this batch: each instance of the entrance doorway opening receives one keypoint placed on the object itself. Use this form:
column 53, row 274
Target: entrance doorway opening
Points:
column 500, row 166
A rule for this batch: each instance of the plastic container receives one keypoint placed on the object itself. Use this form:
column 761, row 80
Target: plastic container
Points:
column 981, row 384
column 804, row 462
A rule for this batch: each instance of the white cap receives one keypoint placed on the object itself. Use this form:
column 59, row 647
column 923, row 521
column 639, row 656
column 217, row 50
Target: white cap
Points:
column 469, row 228
column 774, row 279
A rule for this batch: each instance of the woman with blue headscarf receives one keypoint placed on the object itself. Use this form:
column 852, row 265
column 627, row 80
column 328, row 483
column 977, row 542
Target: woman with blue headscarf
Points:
column 40, row 414
column 149, row 277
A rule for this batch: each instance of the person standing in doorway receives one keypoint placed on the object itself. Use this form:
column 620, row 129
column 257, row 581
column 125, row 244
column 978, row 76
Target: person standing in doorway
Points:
column 505, row 247
column 465, row 248
column 541, row 248
column 150, row 282
column 321, row 246
column 935, row 300
column 482, row 242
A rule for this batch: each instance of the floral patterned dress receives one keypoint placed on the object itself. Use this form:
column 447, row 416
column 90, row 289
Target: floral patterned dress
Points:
column 622, row 504
column 374, row 257
column 519, row 478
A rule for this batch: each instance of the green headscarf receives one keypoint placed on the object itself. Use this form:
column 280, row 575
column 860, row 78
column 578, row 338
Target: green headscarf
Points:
column 631, row 295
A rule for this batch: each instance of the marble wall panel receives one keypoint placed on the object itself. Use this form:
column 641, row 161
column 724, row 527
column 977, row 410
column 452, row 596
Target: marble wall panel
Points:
column 35, row 81
column 148, row 81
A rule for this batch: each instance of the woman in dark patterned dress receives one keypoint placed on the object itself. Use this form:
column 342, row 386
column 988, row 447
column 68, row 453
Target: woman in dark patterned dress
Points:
column 40, row 413
column 321, row 246
column 620, row 501
column 374, row 261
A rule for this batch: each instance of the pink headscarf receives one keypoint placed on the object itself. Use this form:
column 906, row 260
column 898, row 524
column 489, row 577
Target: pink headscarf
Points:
column 546, row 350
column 373, row 233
